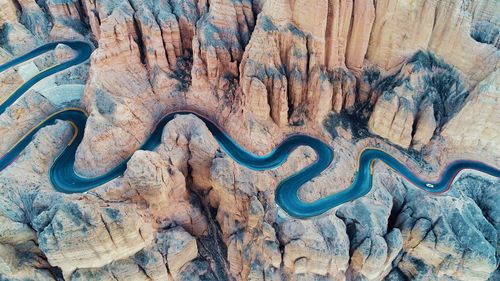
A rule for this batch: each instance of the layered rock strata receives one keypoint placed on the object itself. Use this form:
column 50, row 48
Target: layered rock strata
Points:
column 411, row 105
column 231, row 228
column 420, row 74
column 296, row 63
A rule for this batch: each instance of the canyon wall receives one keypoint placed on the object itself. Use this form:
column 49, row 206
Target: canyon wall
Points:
column 416, row 78
column 272, row 65
column 189, row 212
column 295, row 66
column 474, row 127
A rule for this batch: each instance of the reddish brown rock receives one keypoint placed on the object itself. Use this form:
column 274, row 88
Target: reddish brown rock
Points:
column 262, row 70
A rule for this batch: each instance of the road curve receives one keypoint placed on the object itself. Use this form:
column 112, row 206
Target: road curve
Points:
column 64, row 179
column 83, row 52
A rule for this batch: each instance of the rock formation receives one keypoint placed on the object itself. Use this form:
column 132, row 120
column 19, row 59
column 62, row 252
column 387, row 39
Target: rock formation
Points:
column 442, row 27
column 416, row 78
column 420, row 98
column 480, row 109
column 296, row 60
column 67, row 21
column 354, row 240
column 46, row 97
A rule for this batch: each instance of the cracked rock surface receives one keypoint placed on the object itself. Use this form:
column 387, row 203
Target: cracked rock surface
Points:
column 416, row 78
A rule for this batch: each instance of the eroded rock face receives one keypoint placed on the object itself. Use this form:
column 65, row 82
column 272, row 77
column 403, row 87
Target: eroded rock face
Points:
column 354, row 240
column 130, row 34
column 112, row 103
column 25, row 114
column 160, row 188
column 318, row 247
column 67, row 22
column 373, row 245
column 178, row 247
column 147, row 264
column 449, row 238
column 410, row 105
column 109, row 229
column 8, row 12
column 394, row 37
column 218, row 45
column 474, row 128
column 486, row 32
column 76, row 235
column 295, row 63
column 34, row 18
column 20, row 205
column 17, row 38
column 422, row 74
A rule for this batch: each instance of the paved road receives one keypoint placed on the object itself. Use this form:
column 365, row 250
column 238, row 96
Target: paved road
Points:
column 84, row 50
column 64, row 179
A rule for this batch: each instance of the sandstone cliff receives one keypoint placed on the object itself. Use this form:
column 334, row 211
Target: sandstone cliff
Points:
column 295, row 64
column 416, row 78
column 230, row 226
column 474, row 128
column 411, row 105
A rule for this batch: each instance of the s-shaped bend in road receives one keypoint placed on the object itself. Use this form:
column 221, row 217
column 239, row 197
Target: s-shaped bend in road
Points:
column 64, row 178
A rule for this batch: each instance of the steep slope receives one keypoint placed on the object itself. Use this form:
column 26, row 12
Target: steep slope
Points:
column 418, row 79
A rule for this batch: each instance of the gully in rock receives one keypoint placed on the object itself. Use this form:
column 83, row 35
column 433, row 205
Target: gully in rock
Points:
column 65, row 179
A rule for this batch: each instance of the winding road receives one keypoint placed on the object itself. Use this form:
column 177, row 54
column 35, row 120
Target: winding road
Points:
column 65, row 179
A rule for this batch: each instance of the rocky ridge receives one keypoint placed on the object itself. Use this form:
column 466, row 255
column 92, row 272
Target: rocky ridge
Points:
column 415, row 74
column 382, row 234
